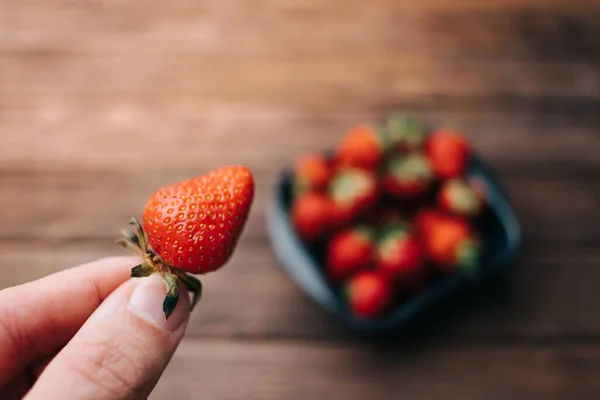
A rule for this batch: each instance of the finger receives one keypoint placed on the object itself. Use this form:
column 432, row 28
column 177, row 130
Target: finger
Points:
column 122, row 350
column 17, row 388
column 37, row 368
column 38, row 317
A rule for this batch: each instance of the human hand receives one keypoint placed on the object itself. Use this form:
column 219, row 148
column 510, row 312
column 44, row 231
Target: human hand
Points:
column 87, row 332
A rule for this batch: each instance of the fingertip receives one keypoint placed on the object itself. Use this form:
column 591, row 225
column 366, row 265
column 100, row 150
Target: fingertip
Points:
column 146, row 302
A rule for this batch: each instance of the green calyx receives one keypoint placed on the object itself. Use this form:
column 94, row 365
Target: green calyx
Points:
column 348, row 184
column 404, row 130
column 135, row 242
column 390, row 236
column 393, row 231
column 467, row 256
column 381, row 137
column 364, row 232
column 463, row 197
column 413, row 166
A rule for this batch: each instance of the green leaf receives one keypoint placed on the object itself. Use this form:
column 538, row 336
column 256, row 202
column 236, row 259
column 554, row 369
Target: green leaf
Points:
column 129, row 246
column 172, row 296
column 143, row 270
column 194, row 285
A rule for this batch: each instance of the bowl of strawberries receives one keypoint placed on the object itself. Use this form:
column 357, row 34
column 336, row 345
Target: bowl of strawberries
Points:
column 396, row 217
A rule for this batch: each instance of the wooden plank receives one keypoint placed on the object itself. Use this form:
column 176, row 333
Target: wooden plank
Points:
column 548, row 295
column 508, row 28
column 299, row 370
column 181, row 133
column 102, row 53
column 72, row 176
column 67, row 205
column 290, row 81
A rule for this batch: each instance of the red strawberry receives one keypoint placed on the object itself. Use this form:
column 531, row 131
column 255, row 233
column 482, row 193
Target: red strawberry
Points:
column 368, row 293
column 448, row 152
column 191, row 227
column 348, row 252
column 425, row 218
column 313, row 215
column 311, row 173
column 407, row 175
column 452, row 244
column 399, row 253
column 403, row 132
column 353, row 192
column 458, row 197
column 361, row 147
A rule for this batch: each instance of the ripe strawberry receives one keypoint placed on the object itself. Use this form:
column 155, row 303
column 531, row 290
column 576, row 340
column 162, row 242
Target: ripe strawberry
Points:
column 191, row 227
column 452, row 244
column 407, row 175
column 313, row 216
column 348, row 252
column 311, row 173
column 399, row 253
column 403, row 132
column 361, row 147
column 458, row 197
column 448, row 152
column 368, row 293
column 425, row 218
column 353, row 192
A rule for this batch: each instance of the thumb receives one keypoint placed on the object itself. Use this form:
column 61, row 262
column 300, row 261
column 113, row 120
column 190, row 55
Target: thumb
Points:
column 122, row 349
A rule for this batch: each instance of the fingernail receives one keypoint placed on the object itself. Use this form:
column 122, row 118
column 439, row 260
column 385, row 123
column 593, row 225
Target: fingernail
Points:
column 147, row 299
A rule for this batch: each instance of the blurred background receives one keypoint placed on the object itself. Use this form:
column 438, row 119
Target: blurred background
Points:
column 102, row 102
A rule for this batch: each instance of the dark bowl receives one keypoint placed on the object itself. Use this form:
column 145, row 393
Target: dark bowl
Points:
column 500, row 230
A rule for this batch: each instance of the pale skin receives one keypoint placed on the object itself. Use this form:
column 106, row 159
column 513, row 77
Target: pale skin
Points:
column 87, row 333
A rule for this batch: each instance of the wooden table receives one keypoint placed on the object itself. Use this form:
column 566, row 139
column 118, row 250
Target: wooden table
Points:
column 102, row 102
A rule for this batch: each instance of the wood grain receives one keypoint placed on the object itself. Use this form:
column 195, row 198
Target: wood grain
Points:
column 369, row 56
column 103, row 102
column 324, row 82
column 548, row 295
column 315, row 371
column 309, row 28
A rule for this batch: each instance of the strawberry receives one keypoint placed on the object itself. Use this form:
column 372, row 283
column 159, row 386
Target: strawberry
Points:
column 408, row 175
column 348, row 252
column 361, row 147
column 353, row 192
column 403, row 132
column 398, row 253
column 452, row 244
column 313, row 216
column 425, row 218
column 311, row 173
column 458, row 197
column 191, row 227
column 368, row 293
column 448, row 152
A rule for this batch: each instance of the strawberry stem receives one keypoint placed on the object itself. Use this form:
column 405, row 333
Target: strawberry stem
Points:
column 135, row 242
column 141, row 236
column 130, row 246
